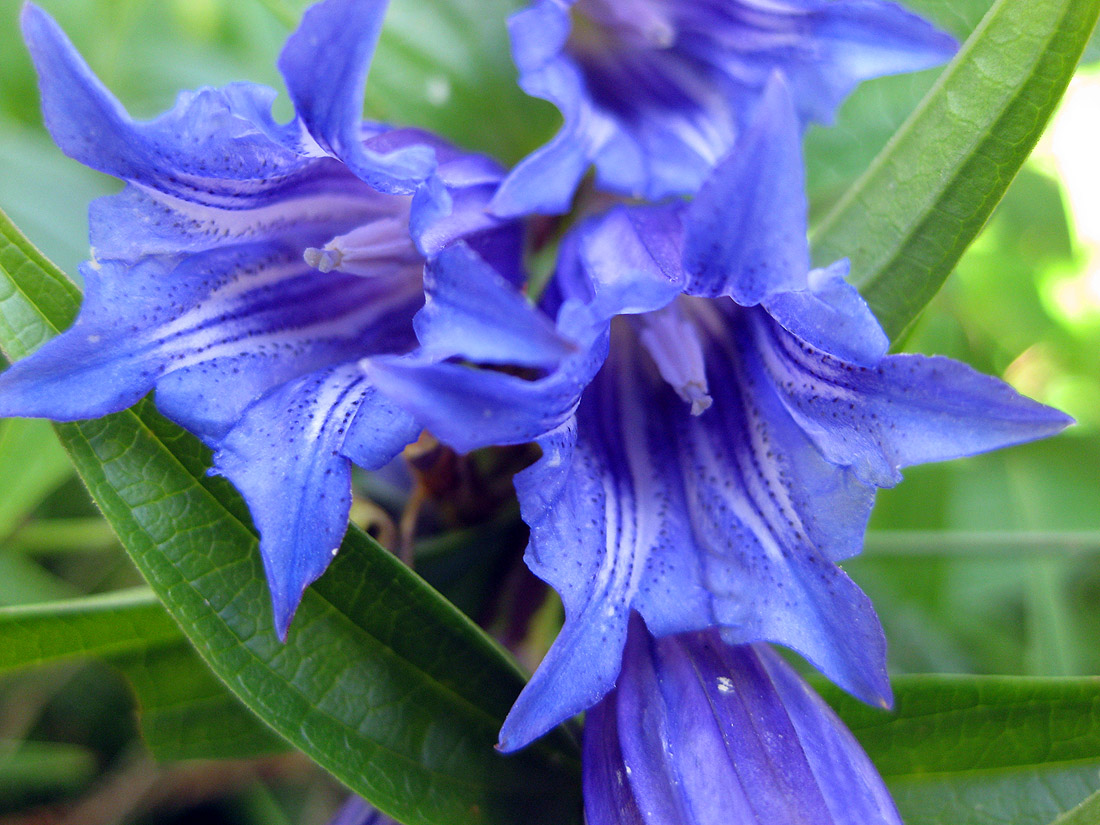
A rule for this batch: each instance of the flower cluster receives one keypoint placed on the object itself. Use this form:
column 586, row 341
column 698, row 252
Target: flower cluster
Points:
column 714, row 414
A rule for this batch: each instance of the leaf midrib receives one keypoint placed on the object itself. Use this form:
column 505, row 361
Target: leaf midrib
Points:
column 438, row 686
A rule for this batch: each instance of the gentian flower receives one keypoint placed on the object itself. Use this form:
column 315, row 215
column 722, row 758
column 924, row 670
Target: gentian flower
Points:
column 697, row 732
column 248, row 265
column 712, row 446
column 655, row 92
column 357, row 811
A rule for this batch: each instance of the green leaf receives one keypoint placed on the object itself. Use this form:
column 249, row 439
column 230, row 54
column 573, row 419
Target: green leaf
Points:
column 1025, row 544
column 186, row 713
column 1087, row 813
column 906, row 221
column 36, row 299
column 451, row 71
column 24, row 581
column 381, row 681
column 967, row 750
column 32, row 465
column 92, row 626
column 29, row 769
column 62, row 535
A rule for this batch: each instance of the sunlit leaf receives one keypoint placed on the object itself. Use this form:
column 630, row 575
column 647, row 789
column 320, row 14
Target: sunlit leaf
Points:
column 909, row 218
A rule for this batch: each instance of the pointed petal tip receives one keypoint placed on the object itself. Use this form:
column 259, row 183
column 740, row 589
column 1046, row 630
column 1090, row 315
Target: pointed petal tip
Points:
column 514, row 734
column 46, row 40
column 283, row 609
column 885, row 693
column 325, row 63
column 746, row 228
column 32, row 18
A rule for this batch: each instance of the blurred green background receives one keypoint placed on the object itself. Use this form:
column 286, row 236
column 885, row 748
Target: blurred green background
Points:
column 987, row 565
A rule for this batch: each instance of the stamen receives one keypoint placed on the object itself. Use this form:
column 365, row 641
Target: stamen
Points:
column 673, row 343
column 374, row 250
column 325, row 259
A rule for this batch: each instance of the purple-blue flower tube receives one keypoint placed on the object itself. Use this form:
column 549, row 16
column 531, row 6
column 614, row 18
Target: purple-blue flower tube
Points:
column 697, row 732
column 712, row 443
column 654, row 93
column 249, row 265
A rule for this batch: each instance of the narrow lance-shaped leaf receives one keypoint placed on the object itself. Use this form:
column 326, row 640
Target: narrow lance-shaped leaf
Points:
column 92, row 626
column 36, row 300
column 32, row 466
column 973, row 750
column 906, row 222
column 184, row 711
column 37, row 769
column 382, row 682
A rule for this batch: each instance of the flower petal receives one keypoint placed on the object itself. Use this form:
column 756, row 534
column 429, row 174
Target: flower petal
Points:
column 543, row 183
column 832, row 316
column 325, row 64
column 906, row 410
column 92, row 369
column 730, row 517
column 289, row 458
column 655, row 92
column 469, row 408
column 630, row 258
column 357, row 811
column 608, row 798
column 210, row 147
column 212, row 331
column 701, row 733
column 848, row 41
column 768, row 516
column 746, row 229
column 473, row 312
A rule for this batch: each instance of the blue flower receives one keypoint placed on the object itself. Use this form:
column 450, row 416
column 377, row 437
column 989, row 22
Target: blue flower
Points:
column 357, row 811
column 700, row 733
column 249, row 265
column 712, row 444
column 655, row 92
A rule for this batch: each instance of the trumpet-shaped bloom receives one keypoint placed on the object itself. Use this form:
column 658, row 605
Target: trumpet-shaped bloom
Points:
column 712, row 445
column 700, row 733
column 248, row 265
column 655, row 92
column 357, row 811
